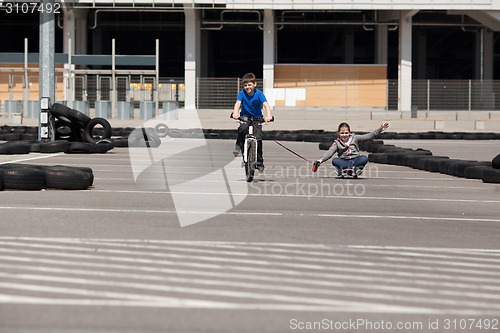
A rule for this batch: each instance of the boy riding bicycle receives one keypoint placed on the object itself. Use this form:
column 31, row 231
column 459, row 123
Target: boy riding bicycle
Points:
column 251, row 100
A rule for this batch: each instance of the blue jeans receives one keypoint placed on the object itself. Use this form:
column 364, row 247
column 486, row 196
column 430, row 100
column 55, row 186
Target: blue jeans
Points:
column 358, row 162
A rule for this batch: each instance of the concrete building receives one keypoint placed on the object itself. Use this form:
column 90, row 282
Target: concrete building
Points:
column 414, row 39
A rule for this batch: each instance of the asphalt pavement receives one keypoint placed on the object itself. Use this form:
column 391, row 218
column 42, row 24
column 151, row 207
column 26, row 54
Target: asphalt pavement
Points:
column 166, row 244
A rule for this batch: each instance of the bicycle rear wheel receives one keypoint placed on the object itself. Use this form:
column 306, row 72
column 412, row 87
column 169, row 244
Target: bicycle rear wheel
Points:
column 251, row 156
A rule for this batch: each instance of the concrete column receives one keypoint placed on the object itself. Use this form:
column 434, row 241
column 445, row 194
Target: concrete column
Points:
column 269, row 49
column 484, row 55
column 484, row 67
column 75, row 30
column 381, row 44
column 405, row 60
column 192, row 55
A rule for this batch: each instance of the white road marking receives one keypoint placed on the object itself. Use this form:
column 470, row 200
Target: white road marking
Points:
column 31, row 158
column 115, row 272
column 247, row 213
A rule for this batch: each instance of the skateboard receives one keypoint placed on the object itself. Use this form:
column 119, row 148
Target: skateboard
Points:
column 348, row 173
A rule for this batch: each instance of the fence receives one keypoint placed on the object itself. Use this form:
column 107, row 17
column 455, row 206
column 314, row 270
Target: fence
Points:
column 457, row 95
column 95, row 87
column 220, row 93
column 130, row 88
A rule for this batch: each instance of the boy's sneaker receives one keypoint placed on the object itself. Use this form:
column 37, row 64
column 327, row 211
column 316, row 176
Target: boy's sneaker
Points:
column 236, row 151
column 260, row 167
column 338, row 172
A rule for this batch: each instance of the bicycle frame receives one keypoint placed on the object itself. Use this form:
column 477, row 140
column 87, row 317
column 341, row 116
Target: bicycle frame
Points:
column 249, row 137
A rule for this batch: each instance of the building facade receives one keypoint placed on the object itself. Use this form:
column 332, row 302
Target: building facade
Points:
column 414, row 40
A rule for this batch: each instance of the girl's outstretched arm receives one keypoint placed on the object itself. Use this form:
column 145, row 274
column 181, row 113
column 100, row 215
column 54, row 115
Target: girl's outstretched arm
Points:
column 373, row 134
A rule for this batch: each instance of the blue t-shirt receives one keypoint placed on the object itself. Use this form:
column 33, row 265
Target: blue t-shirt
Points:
column 251, row 106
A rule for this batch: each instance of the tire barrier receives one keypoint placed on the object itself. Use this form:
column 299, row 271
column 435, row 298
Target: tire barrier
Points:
column 423, row 159
column 75, row 133
column 27, row 177
column 491, row 175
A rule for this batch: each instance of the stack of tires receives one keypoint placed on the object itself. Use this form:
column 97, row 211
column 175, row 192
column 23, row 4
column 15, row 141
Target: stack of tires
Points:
column 77, row 133
column 15, row 176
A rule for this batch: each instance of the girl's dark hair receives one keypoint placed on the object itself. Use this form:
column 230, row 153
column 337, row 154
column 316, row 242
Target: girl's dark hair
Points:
column 344, row 125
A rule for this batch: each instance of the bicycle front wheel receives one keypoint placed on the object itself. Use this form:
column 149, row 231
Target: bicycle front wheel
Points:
column 251, row 159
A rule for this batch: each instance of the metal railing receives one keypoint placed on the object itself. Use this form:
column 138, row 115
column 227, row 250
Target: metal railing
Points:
column 220, row 93
column 460, row 95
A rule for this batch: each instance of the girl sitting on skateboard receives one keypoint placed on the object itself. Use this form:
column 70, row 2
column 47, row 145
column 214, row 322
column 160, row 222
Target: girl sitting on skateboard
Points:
column 349, row 161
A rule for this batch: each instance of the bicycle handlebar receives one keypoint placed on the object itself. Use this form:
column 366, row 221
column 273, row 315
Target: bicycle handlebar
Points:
column 255, row 119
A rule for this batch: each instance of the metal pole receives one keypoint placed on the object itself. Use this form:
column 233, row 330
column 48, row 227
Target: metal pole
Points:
column 428, row 95
column 114, row 111
column 157, row 70
column 47, row 71
column 470, row 95
column 70, row 93
column 346, row 94
column 26, row 80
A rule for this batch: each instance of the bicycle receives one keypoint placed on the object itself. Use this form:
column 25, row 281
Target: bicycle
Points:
column 250, row 145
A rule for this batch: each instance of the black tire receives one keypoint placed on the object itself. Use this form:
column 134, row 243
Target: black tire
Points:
column 324, row 145
column 120, row 143
column 177, row 133
column 29, row 137
column 11, row 137
column 144, row 137
column 250, row 165
column 475, row 172
column 68, row 114
column 414, row 160
column 432, row 165
column 80, row 148
column 21, row 147
column 35, row 147
column 59, row 146
column 378, row 158
column 495, row 163
column 444, row 164
column 456, row 167
column 63, row 130
column 5, row 148
column 397, row 158
column 92, row 135
column 461, row 167
column 383, row 148
column 491, row 175
column 102, row 147
column 161, row 130
column 28, row 178
column 68, row 178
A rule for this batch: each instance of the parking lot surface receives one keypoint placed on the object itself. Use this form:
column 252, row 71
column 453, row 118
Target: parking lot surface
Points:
column 294, row 249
